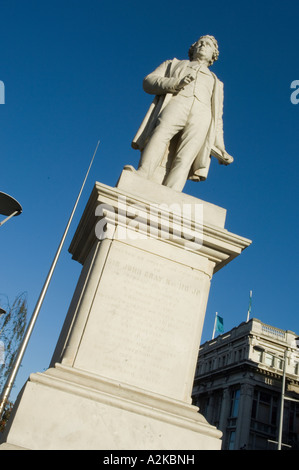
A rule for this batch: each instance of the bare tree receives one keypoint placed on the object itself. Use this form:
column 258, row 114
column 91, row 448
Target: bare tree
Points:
column 12, row 328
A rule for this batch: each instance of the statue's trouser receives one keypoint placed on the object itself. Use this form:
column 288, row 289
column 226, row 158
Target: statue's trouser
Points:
column 185, row 114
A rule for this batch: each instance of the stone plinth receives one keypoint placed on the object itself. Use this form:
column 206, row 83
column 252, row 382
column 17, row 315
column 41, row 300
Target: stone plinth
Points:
column 122, row 372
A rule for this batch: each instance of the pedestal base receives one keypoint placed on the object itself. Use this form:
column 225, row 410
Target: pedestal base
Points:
column 64, row 408
column 122, row 373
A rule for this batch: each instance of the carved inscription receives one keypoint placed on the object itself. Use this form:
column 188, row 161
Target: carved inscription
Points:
column 148, row 310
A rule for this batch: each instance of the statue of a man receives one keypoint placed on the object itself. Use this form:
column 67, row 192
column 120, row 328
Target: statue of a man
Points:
column 188, row 108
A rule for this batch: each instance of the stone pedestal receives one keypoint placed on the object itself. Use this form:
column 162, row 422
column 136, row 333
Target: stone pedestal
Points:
column 122, row 372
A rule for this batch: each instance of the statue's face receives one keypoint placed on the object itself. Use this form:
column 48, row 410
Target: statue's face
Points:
column 204, row 50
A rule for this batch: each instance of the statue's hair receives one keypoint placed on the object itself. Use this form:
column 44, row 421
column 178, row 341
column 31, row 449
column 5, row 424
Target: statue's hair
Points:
column 215, row 43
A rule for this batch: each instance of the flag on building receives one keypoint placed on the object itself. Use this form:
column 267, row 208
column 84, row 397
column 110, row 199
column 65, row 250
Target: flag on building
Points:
column 218, row 325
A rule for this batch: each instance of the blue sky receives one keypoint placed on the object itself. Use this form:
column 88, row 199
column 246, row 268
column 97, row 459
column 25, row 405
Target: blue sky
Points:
column 73, row 74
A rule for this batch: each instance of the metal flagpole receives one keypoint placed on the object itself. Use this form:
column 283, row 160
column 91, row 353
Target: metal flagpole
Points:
column 10, row 380
column 249, row 306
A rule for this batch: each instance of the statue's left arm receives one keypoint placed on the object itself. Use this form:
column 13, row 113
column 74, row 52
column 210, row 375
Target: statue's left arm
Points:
column 219, row 136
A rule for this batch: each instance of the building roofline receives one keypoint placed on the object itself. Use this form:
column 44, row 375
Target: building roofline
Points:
column 246, row 327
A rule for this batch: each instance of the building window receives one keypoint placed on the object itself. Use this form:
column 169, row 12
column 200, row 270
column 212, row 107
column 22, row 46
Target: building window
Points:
column 264, row 413
column 292, row 424
column 269, row 360
column 234, row 406
column 231, row 440
column 280, row 362
column 260, row 356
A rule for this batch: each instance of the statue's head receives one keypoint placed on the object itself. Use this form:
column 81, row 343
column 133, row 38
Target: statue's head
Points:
column 211, row 41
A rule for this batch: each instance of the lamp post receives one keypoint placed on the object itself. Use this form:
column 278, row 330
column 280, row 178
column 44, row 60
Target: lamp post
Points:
column 9, row 207
column 283, row 397
column 282, row 401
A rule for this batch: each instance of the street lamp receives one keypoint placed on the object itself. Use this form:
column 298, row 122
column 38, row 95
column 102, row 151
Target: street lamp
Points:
column 282, row 400
column 283, row 396
column 9, row 207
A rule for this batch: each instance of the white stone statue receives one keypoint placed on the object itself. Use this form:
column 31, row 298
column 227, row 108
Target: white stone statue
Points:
column 184, row 123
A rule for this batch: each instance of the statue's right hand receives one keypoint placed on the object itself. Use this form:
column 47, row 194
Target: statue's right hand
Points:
column 185, row 81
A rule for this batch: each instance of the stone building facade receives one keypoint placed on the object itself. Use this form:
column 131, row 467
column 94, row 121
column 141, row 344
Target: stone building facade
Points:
column 238, row 386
